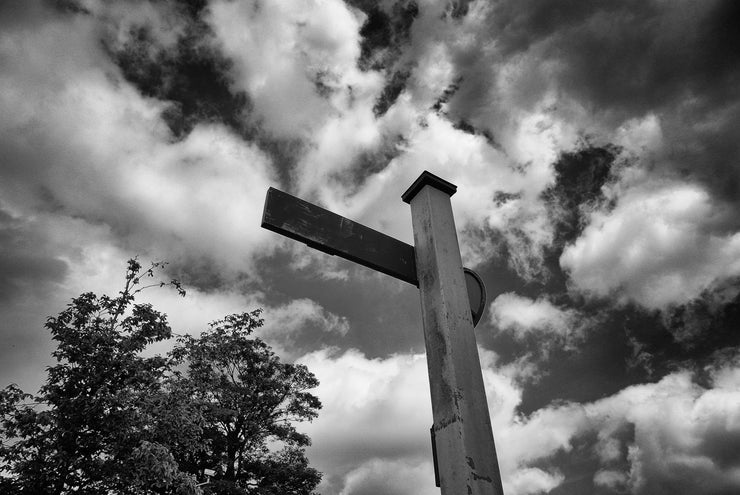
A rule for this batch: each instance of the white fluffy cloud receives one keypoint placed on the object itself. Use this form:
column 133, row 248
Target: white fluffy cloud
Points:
column 284, row 322
column 375, row 424
column 479, row 171
column 523, row 316
column 372, row 408
column 651, row 438
column 533, row 480
column 282, row 50
column 85, row 143
column 683, row 439
column 686, row 437
column 661, row 245
column 390, row 477
column 289, row 317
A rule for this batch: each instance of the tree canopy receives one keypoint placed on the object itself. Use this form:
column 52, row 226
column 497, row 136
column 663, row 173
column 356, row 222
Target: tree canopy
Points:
column 216, row 415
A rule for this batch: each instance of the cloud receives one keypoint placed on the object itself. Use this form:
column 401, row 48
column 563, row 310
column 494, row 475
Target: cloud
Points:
column 672, row 436
column 51, row 244
column 540, row 327
column 479, row 171
column 322, row 265
column 372, row 407
column 522, row 316
column 614, row 480
column 683, row 436
column 288, row 318
column 163, row 21
column 533, row 480
column 539, row 79
column 390, row 477
column 651, row 52
column 297, row 66
column 608, row 63
column 376, row 414
column 282, row 52
column 487, row 95
column 664, row 243
column 338, row 126
column 64, row 267
column 27, row 260
column 82, row 142
column 287, row 325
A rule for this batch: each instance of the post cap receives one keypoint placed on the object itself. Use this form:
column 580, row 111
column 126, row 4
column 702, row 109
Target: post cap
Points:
column 428, row 178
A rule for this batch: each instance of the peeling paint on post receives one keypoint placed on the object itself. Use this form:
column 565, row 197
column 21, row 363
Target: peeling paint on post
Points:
column 462, row 425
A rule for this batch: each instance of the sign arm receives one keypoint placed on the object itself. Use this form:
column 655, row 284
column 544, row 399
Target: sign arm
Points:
column 333, row 234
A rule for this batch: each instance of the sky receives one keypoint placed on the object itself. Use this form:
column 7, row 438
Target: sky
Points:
column 594, row 145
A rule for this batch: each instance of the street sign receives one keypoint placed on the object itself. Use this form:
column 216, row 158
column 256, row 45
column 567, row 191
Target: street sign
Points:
column 333, row 234
column 452, row 302
column 336, row 235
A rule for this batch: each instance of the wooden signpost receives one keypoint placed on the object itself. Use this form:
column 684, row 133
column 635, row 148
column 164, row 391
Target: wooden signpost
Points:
column 334, row 234
column 462, row 437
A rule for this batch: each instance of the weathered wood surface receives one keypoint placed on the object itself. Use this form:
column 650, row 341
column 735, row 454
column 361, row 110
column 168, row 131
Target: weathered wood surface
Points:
column 463, row 436
column 333, row 234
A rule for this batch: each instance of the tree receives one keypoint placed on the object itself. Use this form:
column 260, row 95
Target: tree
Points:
column 251, row 401
column 110, row 420
column 87, row 430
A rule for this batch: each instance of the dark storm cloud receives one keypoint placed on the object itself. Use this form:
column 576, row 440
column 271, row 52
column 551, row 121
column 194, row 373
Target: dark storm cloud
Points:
column 622, row 60
column 629, row 56
column 27, row 262
column 603, row 63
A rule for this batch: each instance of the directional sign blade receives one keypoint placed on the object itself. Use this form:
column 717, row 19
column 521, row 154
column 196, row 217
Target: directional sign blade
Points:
column 336, row 235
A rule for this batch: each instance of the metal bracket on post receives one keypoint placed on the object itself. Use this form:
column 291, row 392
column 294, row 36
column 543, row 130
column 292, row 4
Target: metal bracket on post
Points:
column 434, row 457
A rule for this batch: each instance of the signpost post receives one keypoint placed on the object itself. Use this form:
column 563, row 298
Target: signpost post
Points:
column 462, row 435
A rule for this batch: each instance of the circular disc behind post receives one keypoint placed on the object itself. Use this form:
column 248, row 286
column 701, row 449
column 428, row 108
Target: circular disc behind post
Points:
column 476, row 294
